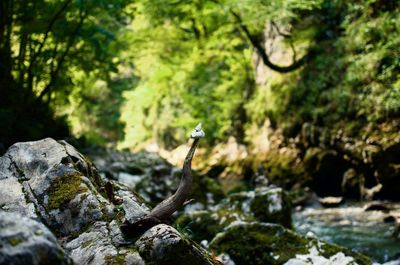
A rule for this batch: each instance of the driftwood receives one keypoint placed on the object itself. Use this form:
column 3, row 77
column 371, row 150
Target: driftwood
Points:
column 163, row 211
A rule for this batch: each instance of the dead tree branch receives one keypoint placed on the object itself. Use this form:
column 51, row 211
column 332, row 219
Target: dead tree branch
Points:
column 163, row 211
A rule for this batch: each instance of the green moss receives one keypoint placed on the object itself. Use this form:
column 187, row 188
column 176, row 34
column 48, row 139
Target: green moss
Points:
column 329, row 250
column 15, row 241
column 185, row 252
column 64, row 189
column 271, row 244
column 199, row 226
column 260, row 207
column 87, row 243
column 115, row 260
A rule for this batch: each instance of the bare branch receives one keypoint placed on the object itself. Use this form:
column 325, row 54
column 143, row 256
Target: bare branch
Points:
column 167, row 207
column 261, row 51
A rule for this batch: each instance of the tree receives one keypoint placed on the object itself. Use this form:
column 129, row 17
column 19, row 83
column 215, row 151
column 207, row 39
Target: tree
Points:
column 42, row 45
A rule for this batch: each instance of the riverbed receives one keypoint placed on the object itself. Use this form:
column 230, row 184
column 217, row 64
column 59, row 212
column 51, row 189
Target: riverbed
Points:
column 350, row 226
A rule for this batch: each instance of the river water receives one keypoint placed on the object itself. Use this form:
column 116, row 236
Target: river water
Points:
column 350, row 226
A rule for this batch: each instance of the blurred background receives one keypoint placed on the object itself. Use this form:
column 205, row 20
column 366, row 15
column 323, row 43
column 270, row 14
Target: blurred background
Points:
column 303, row 93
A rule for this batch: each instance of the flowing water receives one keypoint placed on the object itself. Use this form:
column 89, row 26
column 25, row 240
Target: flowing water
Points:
column 352, row 227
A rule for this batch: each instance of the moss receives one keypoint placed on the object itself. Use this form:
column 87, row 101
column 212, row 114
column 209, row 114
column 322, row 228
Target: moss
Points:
column 260, row 205
column 258, row 244
column 329, row 250
column 199, row 226
column 242, row 206
column 15, row 241
column 64, row 189
column 115, row 260
column 202, row 185
column 185, row 252
column 87, row 243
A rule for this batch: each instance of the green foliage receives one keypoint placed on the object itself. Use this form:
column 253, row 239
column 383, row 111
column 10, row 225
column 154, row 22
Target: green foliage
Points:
column 192, row 69
column 44, row 46
column 353, row 77
column 134, row 72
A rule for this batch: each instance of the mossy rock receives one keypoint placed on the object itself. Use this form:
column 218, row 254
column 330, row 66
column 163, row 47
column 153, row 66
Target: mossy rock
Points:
column 261, row 243
column 264, row 205
column 64, row 188
column 205, row 225
column 163, row 245
column 272, row 206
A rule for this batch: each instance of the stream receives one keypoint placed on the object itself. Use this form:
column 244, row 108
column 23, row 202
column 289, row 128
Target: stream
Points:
column 350, row 226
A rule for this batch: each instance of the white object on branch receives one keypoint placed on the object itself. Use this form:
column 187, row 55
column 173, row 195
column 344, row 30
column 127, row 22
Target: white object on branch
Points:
column 197, row 132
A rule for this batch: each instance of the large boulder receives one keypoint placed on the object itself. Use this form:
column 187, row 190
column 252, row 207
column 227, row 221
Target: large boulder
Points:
column 52, row 182
column 264, row 204
column 26, row 241
column 254, row 243
column 165, row 245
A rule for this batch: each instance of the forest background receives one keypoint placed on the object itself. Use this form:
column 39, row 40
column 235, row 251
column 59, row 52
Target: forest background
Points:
column 274, row 82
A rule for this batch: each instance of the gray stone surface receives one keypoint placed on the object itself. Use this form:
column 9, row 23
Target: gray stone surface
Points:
column 57, row 180
column 101, row 244
column 26, row 241
column 52, row 182
column 162, row 244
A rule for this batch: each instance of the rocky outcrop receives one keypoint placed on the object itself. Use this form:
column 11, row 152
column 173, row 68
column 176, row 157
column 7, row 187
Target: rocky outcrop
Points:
column 52, row 182
column 366, row 165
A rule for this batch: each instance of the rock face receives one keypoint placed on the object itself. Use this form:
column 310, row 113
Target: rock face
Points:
column 364, row 166
column 26, row 241
column 52, row 182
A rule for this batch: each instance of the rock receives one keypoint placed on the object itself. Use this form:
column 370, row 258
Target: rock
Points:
column 153, row 177
column 331, row 201
column 53, row 182
column 387, row 166
column 58, row 181
column 164, row 245
column 376, row 206
column 267, row 204
column 101, row 244
column 353, row 184
column 26, row 241
column 389, row 219
column 254, row 243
